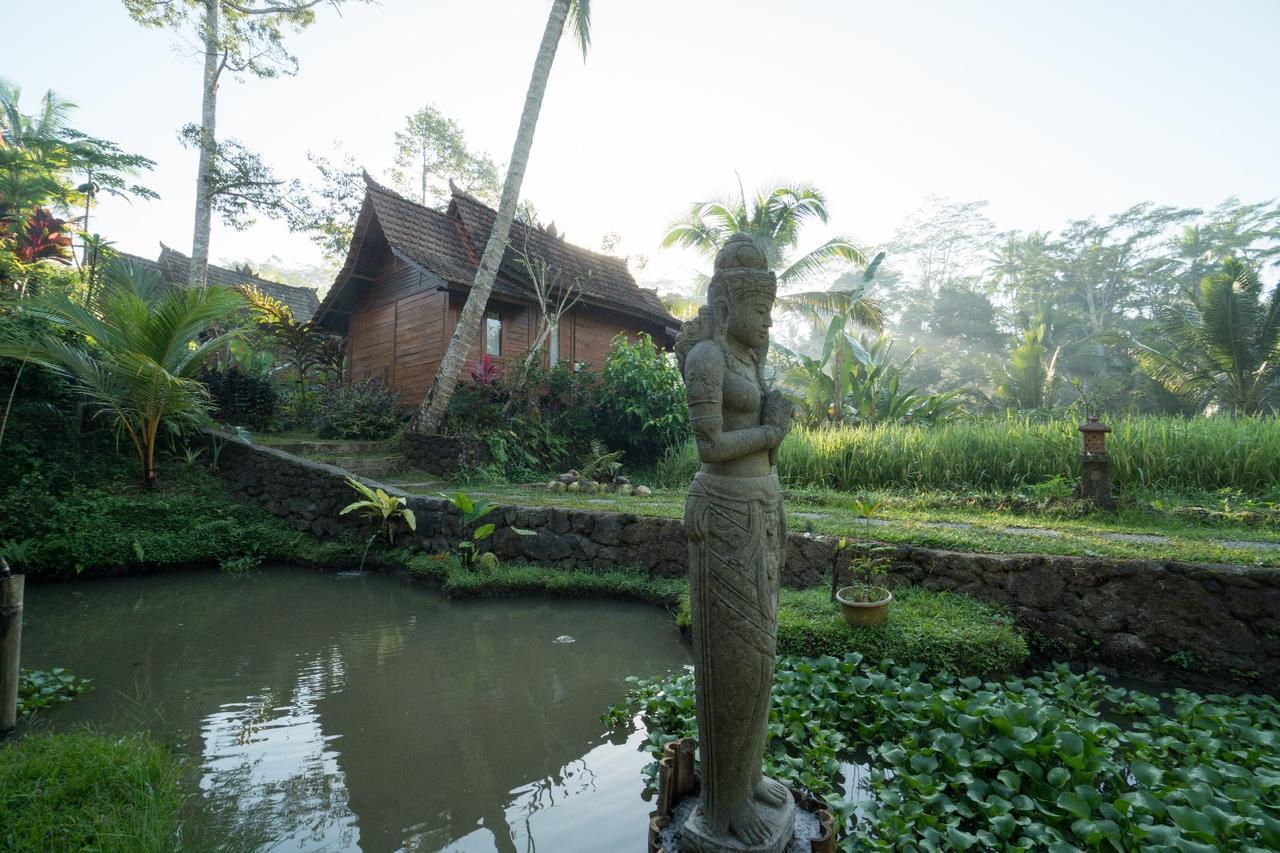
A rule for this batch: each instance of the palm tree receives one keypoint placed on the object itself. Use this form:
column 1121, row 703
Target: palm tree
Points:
column 578, row 12
column 135, row 354
column 1224, row 346
column 773, row 219
column 48, row 127
column 1031, row 383
column 32, row 150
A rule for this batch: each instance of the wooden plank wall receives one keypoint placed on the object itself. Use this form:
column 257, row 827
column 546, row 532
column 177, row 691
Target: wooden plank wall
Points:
column 400, row 328
column 594, row 330
column 420, row 343
column 397, row 330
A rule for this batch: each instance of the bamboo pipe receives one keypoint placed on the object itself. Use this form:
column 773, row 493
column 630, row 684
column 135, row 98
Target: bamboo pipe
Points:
column 11, row 587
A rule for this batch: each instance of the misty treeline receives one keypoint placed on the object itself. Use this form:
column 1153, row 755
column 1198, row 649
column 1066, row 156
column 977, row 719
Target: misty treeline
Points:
column 1153, row 309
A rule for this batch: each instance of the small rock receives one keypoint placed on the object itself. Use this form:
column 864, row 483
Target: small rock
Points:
column 621, row 481
column 575, row 486
column 643, row 491
column 624, row 490
column 551, row 485
column 569, row 477
column 564, row 639
column 487, row 562
column 559, row 487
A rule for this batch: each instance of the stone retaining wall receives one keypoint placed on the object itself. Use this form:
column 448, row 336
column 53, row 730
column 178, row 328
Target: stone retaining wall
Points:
column 1138, row 617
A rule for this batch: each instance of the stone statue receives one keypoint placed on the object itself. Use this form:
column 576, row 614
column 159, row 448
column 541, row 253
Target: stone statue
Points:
column 737, row 544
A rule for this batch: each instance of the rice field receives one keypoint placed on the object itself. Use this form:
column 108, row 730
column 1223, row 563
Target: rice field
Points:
column 1007, row 454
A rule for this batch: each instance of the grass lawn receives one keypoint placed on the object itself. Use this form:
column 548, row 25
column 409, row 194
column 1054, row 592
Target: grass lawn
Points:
column 89, row 790
column 1159, row 528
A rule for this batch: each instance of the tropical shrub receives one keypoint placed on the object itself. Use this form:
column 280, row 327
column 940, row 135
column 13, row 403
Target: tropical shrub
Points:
column 642, row 407
column 305, row 350
column 135, row 355
column 856, row 381
column 239, row 397
column 364, row 409
column 381, row 508
column 543, row 424
column 472, row 511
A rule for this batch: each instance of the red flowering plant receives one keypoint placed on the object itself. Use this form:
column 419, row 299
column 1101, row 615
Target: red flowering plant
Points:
column 43, row 238
column 486, row 372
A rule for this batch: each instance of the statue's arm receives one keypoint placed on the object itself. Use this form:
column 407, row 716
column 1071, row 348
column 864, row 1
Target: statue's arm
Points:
column 704, row 384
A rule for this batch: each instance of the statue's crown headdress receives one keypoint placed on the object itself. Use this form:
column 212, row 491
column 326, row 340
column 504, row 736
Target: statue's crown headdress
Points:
column 743, row 267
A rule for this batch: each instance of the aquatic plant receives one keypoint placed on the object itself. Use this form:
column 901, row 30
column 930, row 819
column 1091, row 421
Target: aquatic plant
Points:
column 1058, row 761
column 43, row 688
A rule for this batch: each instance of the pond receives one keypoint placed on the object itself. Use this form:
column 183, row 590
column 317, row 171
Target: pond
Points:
column 355, row 711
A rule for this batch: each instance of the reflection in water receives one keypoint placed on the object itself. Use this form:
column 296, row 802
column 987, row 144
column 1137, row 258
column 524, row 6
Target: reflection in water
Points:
column 360, row 713
column 273, row 762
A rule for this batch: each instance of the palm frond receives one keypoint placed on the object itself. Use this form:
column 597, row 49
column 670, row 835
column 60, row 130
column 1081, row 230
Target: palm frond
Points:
column 580, row 24
column 814, row 305
column 835, row 250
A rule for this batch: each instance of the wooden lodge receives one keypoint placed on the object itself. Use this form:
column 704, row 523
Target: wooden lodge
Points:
column 172, row 266
column 408, row 272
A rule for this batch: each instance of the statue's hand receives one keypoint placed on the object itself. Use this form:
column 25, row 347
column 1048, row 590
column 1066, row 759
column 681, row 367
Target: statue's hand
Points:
column 778, row 412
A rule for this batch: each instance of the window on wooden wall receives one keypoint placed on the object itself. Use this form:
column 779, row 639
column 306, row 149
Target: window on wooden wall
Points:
column 493, row 333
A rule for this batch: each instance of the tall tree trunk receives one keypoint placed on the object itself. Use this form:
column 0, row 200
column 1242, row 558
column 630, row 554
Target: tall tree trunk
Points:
column 197, row 274
column 437, row 399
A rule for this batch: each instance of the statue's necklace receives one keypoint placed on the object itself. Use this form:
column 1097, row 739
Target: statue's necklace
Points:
column 743, row 364
column 746, row 359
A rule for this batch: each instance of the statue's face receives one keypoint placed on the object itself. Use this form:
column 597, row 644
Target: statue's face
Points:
column 749, row 322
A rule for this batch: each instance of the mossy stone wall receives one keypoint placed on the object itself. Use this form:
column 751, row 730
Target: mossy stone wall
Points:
column 1135, row 617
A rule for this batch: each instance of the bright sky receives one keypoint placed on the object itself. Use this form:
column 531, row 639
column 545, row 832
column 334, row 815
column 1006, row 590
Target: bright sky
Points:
column 1050, row 110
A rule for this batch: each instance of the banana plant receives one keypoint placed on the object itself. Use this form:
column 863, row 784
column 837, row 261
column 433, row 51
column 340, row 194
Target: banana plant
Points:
column 856, row 381
column 821, row 383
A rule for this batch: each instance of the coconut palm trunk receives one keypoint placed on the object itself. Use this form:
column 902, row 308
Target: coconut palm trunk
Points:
column 464, row 334
column 208, row 118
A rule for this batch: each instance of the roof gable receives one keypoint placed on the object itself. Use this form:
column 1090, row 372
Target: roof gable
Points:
column 449, row 245
column 605, row 280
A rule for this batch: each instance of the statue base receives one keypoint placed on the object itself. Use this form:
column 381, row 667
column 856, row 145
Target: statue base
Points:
column 801, row 824
column 697, row 837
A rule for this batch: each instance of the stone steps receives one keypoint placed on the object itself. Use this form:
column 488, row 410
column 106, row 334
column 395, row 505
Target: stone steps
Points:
column 373, row 467
column 337, row 448
column 428, row 487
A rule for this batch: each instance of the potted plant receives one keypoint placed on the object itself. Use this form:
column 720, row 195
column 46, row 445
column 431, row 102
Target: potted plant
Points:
column 862, row 603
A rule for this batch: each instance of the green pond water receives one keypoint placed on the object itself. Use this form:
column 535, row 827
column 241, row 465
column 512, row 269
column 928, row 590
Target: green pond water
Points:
column 358, row 712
